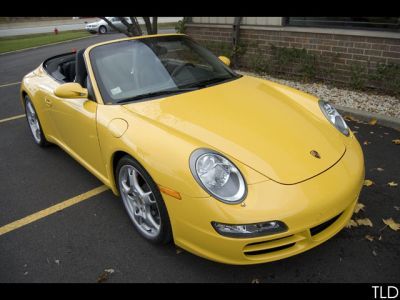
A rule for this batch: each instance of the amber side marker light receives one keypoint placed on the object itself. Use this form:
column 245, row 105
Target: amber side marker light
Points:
column 170, row 192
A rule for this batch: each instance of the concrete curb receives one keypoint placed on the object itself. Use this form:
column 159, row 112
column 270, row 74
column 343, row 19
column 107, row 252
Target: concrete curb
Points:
column 367, row 116
column 26, row 49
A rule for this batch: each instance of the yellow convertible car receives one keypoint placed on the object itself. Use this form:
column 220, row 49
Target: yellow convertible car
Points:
column 232, row 168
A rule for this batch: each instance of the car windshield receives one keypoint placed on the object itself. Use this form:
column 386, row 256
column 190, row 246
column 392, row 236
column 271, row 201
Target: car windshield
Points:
column 152, row 67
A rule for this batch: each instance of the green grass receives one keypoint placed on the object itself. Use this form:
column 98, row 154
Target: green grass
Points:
column 33, row 40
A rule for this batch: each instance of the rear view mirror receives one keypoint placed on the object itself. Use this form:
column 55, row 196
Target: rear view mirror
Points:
column 71, row 90
column 225, row 60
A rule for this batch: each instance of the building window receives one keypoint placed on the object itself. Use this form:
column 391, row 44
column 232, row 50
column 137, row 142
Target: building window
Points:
column 370, row 23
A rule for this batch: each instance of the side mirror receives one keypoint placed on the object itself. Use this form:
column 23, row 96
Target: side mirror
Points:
column 225, row 60
column 71, row 90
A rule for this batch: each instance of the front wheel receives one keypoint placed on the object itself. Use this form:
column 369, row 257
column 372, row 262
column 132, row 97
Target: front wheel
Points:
column 102, row 30
column 143, row 201
column 34, row 123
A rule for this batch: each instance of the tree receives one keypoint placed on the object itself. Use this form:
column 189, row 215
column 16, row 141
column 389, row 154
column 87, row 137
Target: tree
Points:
column 133, row 28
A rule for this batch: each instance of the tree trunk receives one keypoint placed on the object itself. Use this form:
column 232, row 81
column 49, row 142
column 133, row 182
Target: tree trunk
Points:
column 155, row 29
column 133, row 28
column 149, row 29
column 136, row 25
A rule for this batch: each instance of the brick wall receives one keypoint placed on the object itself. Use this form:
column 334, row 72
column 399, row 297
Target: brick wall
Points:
column 334, row 50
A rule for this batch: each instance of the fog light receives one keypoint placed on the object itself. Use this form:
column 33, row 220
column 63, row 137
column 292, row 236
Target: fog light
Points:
column 249, row 230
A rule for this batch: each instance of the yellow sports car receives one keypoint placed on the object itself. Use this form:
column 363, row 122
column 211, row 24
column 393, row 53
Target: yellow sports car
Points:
column 232, row 168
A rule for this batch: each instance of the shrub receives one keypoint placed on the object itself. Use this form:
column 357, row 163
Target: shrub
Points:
column 387, row 78
column 181, row 25
column 357, row 76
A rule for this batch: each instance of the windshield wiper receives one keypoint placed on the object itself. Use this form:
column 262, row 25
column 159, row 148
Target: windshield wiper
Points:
column 158, row 93
column 208, row 82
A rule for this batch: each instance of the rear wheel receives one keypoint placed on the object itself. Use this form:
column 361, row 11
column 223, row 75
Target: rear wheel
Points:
column 103, row 29
column 143, row 201
column 34, row 123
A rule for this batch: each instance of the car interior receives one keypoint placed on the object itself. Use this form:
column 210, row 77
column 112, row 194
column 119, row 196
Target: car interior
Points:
column 69, row 67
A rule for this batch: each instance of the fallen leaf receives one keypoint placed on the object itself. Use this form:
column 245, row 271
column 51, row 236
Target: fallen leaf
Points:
column 397, row 208
column 359, row 206
column 355, row 131
column 356, row 127
column 369, row 238
column 371, row 132
column 57, row 261
column 349, row 118
column 26, row 273
column 374, row 253
column 380, row 238
column 372, row 121
column 351, row 223
column 392, row 224
column 392, row 184
column 364, row 222
column 366, row 143
column 368, row 182
column 179, row 251
column 255, row 280
column 380, row 169
column 397, row 141
column 386, row 133
column 105, row 275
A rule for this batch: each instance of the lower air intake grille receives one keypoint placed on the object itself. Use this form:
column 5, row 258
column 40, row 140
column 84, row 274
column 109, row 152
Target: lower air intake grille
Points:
column 265, row 251
column 321, row 227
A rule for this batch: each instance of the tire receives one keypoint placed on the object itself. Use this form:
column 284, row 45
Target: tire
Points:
column 143, row 201
column 102, row 29
column 34, row 124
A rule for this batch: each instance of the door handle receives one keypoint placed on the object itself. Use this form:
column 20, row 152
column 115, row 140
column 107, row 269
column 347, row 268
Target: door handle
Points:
column 47, row 101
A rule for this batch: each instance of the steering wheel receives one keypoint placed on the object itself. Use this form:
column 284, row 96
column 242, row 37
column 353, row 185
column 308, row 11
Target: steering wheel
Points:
column 180, row 68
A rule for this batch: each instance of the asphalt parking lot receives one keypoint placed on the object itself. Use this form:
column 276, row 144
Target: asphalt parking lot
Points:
column 78, row 243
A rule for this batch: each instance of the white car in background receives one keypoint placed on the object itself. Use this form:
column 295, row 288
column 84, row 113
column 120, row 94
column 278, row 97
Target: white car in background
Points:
column 102, row 26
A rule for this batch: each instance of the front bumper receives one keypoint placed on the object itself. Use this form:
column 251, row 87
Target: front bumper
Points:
column 314, row 211
column 92, row 29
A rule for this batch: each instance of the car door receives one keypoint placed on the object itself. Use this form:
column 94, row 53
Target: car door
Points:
column 117, row 23
column 76, row 125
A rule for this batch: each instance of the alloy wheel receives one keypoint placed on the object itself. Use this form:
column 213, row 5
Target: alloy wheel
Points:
column 33, row 122
column 139, row 201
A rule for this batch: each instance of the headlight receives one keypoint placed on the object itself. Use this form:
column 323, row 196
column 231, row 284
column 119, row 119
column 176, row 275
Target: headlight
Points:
column 334, row 117
column 218, row 176
column 249, row 230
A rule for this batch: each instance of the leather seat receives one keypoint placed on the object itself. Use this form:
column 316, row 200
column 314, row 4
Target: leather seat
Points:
column 68, row 70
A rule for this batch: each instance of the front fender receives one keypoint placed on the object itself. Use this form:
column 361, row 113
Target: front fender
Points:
column 162, row 151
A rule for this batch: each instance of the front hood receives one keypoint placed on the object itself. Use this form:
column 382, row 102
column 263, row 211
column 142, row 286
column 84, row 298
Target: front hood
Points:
column 254, row 122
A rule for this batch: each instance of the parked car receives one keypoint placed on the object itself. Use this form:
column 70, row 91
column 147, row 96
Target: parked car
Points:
column 102, row 26
column 232, row 168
